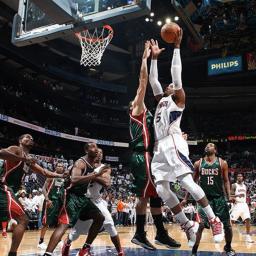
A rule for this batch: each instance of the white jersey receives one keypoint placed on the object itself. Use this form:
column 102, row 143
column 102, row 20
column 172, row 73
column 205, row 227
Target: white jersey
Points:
column 94, row 188
column 167, row 118
column 240, row 189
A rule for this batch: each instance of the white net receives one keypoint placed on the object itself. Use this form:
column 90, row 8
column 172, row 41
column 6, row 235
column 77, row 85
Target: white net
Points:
column 94, row 44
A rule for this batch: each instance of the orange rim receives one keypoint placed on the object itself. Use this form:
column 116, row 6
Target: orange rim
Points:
column 83, row 38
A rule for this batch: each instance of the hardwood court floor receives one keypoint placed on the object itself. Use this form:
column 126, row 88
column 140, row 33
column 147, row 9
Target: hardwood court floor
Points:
column 103, row 245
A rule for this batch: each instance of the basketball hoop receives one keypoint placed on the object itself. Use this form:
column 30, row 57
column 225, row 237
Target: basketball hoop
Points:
column 94, row 44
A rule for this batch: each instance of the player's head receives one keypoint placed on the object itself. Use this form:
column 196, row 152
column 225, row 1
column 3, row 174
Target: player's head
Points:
column 210, row 149
column 26, row 140
column 91, row 149
column 59, row 168
column 240, row 177
column 99, row 156
column 169, row 90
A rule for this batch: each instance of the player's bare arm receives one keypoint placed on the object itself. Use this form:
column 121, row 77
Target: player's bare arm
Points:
column 153, row 76
column 224, row 167
column 14, row 153
column 76, row 176
column 138, row 105
column 45, row 192
column 179, row 94
column 105, row 179
column 38, row 169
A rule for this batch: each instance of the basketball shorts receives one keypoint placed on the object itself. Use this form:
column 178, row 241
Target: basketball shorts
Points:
column 143, row 185
column 171, row 159
column 76, row 207
column 10, row 208
column 51, row 214
column 240, row 210
column 82, row 227
column 220, row 208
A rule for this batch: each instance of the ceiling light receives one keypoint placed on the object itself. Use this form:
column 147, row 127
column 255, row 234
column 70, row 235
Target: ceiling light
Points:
column 147, row 19
column 176, row 18
column 168, row 20
column 152, row 14
column 159, row 23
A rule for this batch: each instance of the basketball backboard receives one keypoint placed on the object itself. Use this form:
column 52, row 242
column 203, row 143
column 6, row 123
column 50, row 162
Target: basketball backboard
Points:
column 38, row 21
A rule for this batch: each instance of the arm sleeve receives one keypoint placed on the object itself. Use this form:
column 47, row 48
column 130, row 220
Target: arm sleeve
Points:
column 153, row 79
column 176, row 69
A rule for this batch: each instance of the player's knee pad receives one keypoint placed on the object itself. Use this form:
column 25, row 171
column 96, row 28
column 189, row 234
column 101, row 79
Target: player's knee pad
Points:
column 164, row 191
column 189, row 184
column 110, row 228
column 155, row 202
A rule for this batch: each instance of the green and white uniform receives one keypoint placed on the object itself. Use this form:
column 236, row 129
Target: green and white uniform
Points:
column 142, row 143
column 76, row 204
column 211, row 181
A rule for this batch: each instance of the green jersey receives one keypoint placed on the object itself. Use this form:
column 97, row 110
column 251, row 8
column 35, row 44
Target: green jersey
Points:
column 56, row 189
column 210, row 178
column 81, row 189
column 11, row 174
column 142, row 132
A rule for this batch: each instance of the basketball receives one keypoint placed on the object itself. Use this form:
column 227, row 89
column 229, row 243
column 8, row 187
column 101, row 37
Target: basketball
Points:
column 169, row 32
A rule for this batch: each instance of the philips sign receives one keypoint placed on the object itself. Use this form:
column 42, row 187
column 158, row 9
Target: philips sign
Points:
column 224, row 65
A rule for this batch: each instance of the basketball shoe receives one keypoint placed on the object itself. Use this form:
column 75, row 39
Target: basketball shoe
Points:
column 85, row 251
column 217, row 229
column 141, row 239
column 190, row 231
column 165, row 239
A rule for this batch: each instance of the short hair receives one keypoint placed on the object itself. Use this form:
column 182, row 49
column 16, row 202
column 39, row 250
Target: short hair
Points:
column 86, row 146
column 240, row 173
column 22, row 136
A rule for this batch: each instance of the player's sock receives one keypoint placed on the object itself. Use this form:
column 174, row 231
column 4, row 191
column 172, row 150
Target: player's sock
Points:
column 48, row 254
column 41, row 240
column 158, row 221
column 12, row 254
column 195, row 248
column 182, row 219
column 209, row 212
column 140, row 223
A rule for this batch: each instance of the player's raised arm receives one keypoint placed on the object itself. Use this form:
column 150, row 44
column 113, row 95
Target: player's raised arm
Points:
column 153, row 75
column 176, row 69
column 138, row 105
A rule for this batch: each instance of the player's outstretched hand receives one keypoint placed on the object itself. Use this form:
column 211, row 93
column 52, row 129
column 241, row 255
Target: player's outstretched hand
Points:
column 156, row 51
column 147, row 50
column 178, row 39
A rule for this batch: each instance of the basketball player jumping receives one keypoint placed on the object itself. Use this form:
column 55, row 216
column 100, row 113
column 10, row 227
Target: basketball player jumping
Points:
column 53, row 191
column 211, row 172
column 76, row 205
column 171, row 154
column 94, row 193
column 240, row 208
column 17, row 163
column 141, row 131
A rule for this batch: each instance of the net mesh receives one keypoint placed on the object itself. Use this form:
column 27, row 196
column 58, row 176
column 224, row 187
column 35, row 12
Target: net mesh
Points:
column 94, row 44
